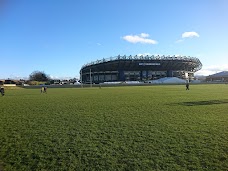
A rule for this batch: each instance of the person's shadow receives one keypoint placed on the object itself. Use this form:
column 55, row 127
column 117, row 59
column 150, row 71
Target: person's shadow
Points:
column 206, row 102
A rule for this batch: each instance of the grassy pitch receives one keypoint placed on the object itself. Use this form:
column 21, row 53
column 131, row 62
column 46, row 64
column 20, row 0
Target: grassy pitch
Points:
column 115, row 128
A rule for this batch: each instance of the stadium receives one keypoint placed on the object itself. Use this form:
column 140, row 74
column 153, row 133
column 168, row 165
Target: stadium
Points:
column 139, row 68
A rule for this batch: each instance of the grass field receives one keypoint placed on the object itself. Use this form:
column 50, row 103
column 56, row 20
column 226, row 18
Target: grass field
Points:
column 115, row 128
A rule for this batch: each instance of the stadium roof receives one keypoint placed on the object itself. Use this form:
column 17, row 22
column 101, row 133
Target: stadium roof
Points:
column 147, row 57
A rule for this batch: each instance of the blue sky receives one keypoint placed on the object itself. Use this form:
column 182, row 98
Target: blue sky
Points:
column 58, row 37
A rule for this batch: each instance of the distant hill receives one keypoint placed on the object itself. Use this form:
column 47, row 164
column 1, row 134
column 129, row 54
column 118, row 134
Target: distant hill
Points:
column 218, row 77
column 220, row 74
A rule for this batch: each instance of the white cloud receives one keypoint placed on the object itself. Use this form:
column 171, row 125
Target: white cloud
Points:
column 187, row 35
column 190, row 34
column 139, row 39
column 144, row 35
column 209, row 70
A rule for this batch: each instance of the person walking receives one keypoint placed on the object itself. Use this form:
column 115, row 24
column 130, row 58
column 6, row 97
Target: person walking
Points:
column 187, row 85
column 2, row 91
column 41, row 90
column 45, row 89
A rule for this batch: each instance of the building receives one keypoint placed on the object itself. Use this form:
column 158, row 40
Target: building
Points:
column 218, row 77
column 139, row 68
column 1, row 82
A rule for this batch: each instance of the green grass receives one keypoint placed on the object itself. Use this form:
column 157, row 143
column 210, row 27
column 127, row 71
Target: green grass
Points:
column 119, row 128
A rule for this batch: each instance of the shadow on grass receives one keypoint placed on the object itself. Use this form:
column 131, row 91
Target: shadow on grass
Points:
column 9, row 95
column 1, row 166
column 198, row 103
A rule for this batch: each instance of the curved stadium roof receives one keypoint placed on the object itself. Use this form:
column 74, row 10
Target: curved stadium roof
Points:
column 193, row 62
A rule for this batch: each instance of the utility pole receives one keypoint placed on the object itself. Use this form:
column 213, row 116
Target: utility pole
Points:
column 81, row 79
column 90, row 78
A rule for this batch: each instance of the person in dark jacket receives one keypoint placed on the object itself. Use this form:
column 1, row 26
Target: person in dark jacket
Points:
column 45, row 89
column 2, row 91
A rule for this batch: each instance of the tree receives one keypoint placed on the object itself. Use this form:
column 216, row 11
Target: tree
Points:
column 38, row 76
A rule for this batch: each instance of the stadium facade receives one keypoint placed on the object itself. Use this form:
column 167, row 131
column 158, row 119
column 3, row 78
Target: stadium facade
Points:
column 139, row 68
